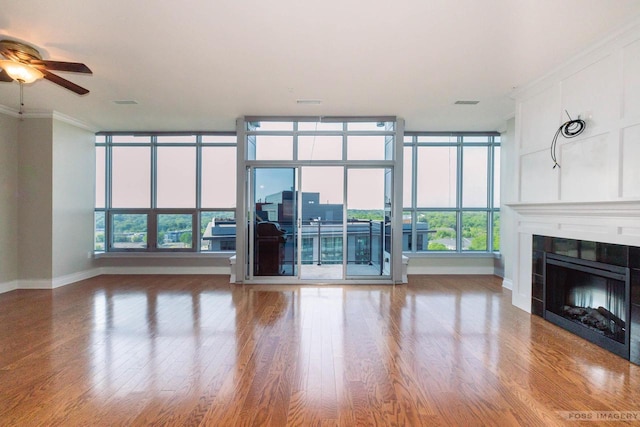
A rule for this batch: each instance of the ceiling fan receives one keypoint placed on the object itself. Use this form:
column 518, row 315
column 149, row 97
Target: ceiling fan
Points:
column 25, row 65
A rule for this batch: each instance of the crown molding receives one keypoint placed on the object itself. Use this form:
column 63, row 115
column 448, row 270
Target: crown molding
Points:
column 54, row 115
column 73, row 122
column 9, row 111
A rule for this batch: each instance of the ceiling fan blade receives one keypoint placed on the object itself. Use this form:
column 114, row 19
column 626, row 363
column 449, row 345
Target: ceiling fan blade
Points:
column 4, row 77
column 64, row 82
column 74, row 67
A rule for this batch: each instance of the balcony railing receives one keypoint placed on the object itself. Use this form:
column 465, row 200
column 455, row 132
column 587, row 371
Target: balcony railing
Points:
column 365, row 241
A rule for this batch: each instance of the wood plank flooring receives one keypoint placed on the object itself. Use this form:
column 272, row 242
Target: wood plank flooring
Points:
column 195, row 350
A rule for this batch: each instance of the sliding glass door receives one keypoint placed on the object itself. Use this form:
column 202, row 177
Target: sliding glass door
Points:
column 273, row 226
column 321, row 210
column 368, row 225
column 317, row 200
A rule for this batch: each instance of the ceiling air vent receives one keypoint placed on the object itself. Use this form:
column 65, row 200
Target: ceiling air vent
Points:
column 126, row 102
column 466, row 102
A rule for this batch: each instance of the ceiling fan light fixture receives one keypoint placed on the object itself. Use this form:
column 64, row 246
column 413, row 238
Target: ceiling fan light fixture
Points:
column 23, row 73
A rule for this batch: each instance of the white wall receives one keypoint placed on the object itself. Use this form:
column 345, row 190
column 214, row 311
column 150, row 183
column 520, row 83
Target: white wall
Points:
column 470, row 264
column 8, row 202
column 73, row 189
column 595, row 194
column 34, row 201
column 47, row 172
column 508, row 193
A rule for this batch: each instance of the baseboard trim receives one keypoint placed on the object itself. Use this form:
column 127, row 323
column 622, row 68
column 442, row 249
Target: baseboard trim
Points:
column 8, row 286
column 87, row 274
column 221, row 270
column 507, row 284
column 35, row 284
column 427, row 270
column 74, row 277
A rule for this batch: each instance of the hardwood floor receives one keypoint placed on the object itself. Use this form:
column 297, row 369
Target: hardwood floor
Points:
column 195, row 350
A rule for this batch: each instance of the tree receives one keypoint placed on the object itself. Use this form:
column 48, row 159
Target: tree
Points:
column 436, row 246
column 479, row 243
column 185, row 238
column 374, row 215
column 445, row 233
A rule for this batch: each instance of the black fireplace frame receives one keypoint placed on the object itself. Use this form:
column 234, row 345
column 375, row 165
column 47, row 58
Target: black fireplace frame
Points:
column 608, row 271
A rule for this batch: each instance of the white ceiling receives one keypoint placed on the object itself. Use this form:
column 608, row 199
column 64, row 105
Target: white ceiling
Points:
column 200, row 64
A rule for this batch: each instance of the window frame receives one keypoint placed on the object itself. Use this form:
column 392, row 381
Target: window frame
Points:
column 137, row 139
column 459, row 140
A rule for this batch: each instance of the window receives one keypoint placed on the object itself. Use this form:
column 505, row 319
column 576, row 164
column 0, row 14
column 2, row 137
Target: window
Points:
column 165, row 192
column 451, row 192
column 129, row 230
column 437, row 175
column 176, row 177
column 319, row 141
column 319, row 147
column 130, row 177
column 174, row 231
column 369, row 147
column 217, row 231
column 99, row 228
column 218, row 177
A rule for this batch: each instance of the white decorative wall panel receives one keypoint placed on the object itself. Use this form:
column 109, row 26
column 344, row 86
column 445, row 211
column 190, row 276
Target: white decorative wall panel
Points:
column 584, row 229
column 593, row 91
column 540, row 117
column 521, row 295
column 536, row 226
column 630, row 231
column 631, row 71
column 631, row 162
column 595, row 195
column 584, row 174
column 538, row 179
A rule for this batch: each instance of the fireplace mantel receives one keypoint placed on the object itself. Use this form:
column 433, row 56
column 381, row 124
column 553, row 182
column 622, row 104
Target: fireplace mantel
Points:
column 622, row 209
column 615, row 222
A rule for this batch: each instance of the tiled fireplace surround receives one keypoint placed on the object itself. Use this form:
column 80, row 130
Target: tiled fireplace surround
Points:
column 606, row 222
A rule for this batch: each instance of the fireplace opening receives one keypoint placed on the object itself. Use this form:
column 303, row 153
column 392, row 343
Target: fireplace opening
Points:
column 590, row 299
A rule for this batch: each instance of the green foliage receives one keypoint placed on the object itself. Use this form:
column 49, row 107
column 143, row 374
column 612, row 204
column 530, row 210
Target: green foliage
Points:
column 186, row 238
column 438, row 220
column 139, row 237
column 444, row 225
column 435, row 246
column 129, row 223
column 374, row 215
column 445, row 233
column 474, row 227
column 479, row 243
column 173, row 222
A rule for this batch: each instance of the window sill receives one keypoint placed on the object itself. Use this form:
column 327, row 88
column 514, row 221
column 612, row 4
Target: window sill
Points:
column 165, row 255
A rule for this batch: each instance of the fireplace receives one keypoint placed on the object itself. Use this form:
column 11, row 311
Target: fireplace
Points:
column 590, row 299
column 591, row 289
